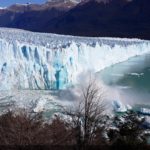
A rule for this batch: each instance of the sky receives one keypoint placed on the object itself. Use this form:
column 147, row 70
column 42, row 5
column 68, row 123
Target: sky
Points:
column 5, row 3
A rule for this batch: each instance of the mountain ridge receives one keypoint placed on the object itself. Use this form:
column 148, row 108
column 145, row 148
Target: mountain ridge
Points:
column 113, row 18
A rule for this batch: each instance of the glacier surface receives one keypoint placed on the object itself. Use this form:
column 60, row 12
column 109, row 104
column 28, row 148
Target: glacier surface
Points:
column 48, row 61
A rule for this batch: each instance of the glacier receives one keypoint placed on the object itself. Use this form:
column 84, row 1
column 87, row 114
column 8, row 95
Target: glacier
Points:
column 31, row 60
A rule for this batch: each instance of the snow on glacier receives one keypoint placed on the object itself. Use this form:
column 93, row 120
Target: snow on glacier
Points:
column 48, row 61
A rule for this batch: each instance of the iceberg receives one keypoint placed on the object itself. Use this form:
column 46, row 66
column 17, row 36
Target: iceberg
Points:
column 144, row 111
column 119, row 107
column 31, row 60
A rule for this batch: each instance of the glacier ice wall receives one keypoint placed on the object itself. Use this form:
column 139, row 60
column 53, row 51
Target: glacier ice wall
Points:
column 47, row 61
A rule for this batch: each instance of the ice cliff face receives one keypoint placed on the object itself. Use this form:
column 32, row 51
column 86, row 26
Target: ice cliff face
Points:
column 47, row 61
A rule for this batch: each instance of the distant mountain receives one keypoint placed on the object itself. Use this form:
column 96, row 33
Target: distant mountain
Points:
column 74, row 1
column 33, row 16
column 113, row 18
column 118, row 18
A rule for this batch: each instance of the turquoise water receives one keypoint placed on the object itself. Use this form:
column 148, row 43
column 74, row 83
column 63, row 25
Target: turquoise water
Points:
column 130, row 78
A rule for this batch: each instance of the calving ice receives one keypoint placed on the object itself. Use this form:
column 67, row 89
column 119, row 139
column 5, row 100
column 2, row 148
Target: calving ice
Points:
column 49, row 61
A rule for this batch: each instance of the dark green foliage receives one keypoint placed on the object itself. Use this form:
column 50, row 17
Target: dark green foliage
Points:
column 130, row 130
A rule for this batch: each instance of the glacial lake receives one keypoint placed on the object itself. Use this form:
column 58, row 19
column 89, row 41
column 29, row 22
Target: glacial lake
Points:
column 129, row 81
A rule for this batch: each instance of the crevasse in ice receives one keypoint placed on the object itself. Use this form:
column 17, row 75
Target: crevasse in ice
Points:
column 48, row 61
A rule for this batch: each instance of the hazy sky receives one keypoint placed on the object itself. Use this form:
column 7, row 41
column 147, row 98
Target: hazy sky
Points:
column 5, row 3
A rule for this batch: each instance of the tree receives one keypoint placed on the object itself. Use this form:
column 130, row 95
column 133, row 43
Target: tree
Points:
column 130, row 130
column 87, row 116
column 23, row 129
column 20, row 128
column 60, row 132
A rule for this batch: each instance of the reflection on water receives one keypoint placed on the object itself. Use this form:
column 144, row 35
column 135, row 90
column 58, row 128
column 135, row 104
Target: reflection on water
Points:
column 131, row 79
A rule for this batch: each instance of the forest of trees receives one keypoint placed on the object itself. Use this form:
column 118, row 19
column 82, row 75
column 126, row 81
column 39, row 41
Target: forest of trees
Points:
column 85, row 128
